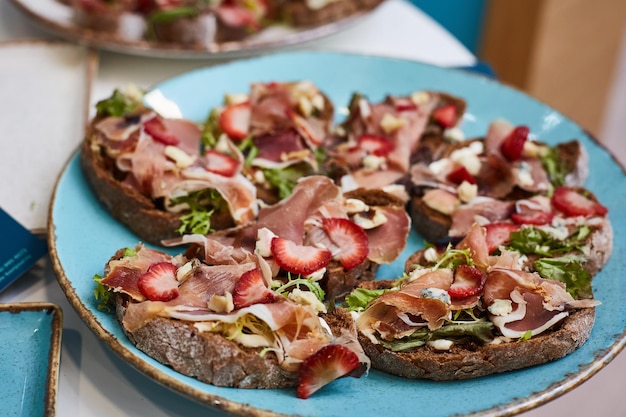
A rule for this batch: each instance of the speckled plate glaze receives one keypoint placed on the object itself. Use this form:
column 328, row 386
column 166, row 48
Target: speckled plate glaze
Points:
column 83, row 236
column 58, row 18
column 30, row 349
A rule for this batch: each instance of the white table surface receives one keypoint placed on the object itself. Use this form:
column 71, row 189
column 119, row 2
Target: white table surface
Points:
column 93, row 381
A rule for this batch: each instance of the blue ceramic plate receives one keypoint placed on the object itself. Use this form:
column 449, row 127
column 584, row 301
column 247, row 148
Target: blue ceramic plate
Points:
column 30, row 348
column 83, row 237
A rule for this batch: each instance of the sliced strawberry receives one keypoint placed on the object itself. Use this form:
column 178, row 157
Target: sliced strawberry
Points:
column 404, row 104
column 459, row 175
column 350, row 239
column 251, row 289
column 220, row 163
column 513, row 145
column 237, row 17
column 445, row 116
column 155, row 128
column 323, row 367
column 375, row 145
column 235, row 120
column 572, row 203
column 499, row 234
column 159, row 282
column 535, row 217
column 299, row 259
column 468, row 281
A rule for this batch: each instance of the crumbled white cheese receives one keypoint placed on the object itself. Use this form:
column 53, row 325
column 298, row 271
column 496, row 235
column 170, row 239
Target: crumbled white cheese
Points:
column 417, row 273
column 305, row 106
column 454, row 134
column 436, row 294
column 306, row 298
column 264, row 238
column 354, row 205
column 431, row 255
column 390, row 123
column 501, row 307
column 181, row 273
column 318, row 101
column 235, row 98
column 180, row 157
column 467, row 191
column 467, row 157
column 440, row 344
column 524, row 174
column 364, row 108
column 317, row 275
column 439, row 166
column 374, row 162
column 420, row 97
column 221, row 303
column 370, row 222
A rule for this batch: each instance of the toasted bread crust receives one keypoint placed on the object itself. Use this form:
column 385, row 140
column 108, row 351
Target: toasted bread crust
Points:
column 136, row 211
column 212, row 358
column 472, row 361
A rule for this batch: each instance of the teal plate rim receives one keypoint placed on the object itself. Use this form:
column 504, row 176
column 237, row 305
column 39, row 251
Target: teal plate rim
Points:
column 75, row 215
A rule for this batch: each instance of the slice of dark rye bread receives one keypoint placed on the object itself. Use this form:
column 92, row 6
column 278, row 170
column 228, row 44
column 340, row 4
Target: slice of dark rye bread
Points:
column 136, row 211
column 466, row 361
column 211, row 357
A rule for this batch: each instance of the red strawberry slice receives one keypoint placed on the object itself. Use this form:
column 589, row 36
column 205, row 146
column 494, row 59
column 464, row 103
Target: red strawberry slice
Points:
column 155, row 128
column 323, row 367
column 220, row 163
column 468, row 281
column 513, row 145
column 375, row 145
column 299, row 259
column 445, row 116
column 459, row 175
column 499, row 234
column 350, row 239
column 572, row 203
column 159, row 282
column 251, row 289
column 404, row 104
column 536, row 217
column 237, row 17
column 235, row 120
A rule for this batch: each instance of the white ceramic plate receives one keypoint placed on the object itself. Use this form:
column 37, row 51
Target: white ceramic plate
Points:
column 58, row 18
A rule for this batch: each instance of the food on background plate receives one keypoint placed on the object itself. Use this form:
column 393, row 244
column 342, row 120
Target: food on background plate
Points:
column 463, row 313
column 203, row 24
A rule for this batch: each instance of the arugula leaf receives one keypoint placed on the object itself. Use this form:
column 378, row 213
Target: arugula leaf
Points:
column 117, row 105
column 170, row 15
column 129, row 252
column 249, row 149
column 313, row 286
column 556, row 167
column 459, row 332
column 211, row 131
column 202, row 204
column 569, row 270
column 452, row 258
column 531, row 240
column 359, row 298
column 527, row 335
column 284, row 180
column 101, row 294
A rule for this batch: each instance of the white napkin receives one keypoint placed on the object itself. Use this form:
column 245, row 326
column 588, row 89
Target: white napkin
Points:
column 42, row 119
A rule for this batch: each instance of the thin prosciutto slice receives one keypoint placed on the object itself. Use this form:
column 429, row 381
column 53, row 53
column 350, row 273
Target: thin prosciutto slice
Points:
column 399, row 313
column 537, row 303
